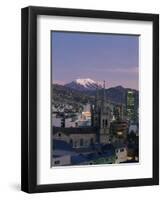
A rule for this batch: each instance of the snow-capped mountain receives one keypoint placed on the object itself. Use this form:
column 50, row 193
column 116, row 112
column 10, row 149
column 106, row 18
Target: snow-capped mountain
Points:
column 83, row 84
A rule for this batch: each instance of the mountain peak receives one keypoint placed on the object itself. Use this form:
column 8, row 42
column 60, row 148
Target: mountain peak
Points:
column 83, row 84
column 84, row 81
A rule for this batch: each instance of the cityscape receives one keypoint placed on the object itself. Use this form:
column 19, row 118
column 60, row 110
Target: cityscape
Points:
column 94, row 120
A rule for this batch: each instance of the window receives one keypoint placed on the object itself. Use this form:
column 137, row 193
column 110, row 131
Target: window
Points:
column 71, row 142
column 106, row 122
column 59, row 134
column 103, row 123
column 75, row 144
column 121, row 150
column 91, row 141
column 81, row 142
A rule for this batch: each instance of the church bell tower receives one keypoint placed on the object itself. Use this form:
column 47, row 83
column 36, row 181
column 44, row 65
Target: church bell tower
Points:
column 101, row 116
column 105, row 118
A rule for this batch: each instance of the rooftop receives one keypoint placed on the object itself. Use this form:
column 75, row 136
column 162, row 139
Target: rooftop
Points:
column 62, row 145
column 86, row 130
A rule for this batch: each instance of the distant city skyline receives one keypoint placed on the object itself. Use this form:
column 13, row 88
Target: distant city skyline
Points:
column 110, row 57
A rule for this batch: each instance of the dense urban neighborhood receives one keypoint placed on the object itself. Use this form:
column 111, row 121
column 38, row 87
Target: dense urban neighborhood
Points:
column 92, row 124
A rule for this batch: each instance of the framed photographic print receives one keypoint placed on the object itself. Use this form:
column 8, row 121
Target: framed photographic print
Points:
column 90, row 99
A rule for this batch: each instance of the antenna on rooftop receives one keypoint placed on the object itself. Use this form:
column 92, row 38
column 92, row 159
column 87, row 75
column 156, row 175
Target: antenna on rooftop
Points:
column 104, row 84
column 104, row 95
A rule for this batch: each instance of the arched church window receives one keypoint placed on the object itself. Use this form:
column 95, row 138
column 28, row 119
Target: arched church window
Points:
column 106, row 122
column 75, row 144
column 103, row 123
column 81, row 142
column 91, row 141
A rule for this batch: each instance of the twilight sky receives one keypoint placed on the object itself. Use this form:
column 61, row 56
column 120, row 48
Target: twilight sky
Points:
column 109, row 57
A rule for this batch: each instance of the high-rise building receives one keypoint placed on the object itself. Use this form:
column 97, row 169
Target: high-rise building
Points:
column 131, row 106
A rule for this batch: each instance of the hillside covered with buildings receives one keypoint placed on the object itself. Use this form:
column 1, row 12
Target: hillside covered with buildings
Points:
column 94, row 126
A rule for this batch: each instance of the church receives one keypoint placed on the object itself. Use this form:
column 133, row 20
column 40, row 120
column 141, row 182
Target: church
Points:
column 102, row 142
column 102, row 117
column 98, row 132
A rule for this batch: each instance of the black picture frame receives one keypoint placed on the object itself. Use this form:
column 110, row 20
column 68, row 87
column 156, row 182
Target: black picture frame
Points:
column 29, row 99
